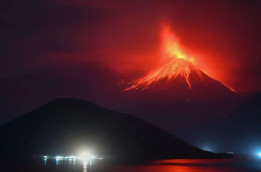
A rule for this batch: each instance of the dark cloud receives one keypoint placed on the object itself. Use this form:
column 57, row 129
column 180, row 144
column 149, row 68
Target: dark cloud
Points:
column 31, row 28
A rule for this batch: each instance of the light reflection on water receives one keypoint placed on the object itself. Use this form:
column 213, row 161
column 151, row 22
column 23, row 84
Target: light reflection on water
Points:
column 195, row 165
column 70, row 165
column 177, row 165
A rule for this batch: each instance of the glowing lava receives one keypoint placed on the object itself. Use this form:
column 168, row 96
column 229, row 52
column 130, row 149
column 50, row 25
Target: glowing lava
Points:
column 177, row 67
column 180, row 65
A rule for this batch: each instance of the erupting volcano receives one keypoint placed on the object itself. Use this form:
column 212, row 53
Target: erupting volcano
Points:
column 181, row 66
column 178, row 91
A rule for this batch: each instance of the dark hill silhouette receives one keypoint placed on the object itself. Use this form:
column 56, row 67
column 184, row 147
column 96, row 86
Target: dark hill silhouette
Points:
column 65, row 125
column 239, row 132
column 90, row 81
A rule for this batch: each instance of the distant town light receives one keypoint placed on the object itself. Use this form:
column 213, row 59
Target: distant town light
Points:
column 59, row 157
column 72, row 157
column 207, row 148
column 85, row 157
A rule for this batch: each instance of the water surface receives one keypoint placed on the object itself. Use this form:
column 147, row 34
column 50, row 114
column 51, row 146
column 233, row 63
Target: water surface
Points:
column 176, row 165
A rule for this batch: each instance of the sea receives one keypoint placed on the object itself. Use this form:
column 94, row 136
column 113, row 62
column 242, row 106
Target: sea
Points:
column 173, row 165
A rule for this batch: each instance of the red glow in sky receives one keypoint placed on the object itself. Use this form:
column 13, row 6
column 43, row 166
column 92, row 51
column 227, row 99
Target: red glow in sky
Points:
column 223, row 36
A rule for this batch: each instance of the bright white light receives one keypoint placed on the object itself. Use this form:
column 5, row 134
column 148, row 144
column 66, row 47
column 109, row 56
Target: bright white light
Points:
column 93, row 157
column 259, row 154
column 85, row 156
column 59, row 157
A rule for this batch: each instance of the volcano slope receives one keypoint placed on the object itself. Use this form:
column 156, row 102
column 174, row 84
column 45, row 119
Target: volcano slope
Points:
column 180, row 94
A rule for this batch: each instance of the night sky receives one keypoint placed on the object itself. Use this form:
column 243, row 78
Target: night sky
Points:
column 125, row 35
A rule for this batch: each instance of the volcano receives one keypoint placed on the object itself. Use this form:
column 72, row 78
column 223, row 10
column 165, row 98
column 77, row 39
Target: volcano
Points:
column 180, row 90
column 181, row 66
column 180, row 79
column 180, row 94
